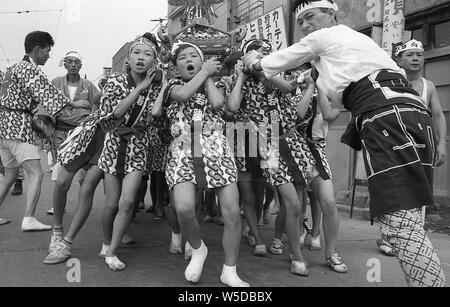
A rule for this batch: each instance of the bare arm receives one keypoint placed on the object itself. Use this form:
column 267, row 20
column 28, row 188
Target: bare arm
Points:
column 236, row 96
column 304, row 104
column 281, row 84
column 157, row 110
column 439, row 124
column 215, row 96
column 329, row 113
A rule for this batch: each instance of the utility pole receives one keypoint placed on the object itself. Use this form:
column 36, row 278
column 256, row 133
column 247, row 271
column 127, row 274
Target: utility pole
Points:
column 393, row 25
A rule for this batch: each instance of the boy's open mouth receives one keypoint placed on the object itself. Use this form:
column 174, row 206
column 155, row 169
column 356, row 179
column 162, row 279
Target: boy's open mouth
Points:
column 190, row 68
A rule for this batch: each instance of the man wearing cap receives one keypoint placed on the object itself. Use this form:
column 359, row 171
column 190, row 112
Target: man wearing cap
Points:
column 390, row 123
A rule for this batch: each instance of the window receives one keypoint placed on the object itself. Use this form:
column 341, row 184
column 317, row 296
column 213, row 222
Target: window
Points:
column 417, row 34
column 246, row 11
column 442, row 34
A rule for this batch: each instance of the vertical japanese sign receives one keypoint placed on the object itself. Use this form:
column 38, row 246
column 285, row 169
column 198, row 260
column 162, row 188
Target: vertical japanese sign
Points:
column 270, row 26
column 394, row 25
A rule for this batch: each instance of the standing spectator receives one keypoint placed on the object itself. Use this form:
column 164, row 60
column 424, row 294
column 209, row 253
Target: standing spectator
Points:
column 85, row 93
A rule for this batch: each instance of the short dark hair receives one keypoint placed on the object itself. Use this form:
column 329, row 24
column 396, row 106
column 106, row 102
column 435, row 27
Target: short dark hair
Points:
column 38, row 38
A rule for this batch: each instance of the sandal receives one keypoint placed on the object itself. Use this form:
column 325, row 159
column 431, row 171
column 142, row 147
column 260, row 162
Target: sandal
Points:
column 386, row 248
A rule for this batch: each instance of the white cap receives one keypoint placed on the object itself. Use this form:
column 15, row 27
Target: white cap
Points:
column 411, row 45
column 307, row 5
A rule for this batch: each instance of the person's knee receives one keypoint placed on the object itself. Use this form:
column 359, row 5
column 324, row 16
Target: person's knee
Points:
column 62, row 185
column 127, row 203
column 185, row 212
column 294, row 209
column 231, row 212
column 329, row 207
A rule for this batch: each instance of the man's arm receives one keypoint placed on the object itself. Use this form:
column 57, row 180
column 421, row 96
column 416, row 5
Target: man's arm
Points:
column 286, row 59
column 440, row 125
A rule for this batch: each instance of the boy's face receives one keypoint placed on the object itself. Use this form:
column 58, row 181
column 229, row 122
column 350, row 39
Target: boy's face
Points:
column 412, row 60
column 189, row 63
column 142, row 59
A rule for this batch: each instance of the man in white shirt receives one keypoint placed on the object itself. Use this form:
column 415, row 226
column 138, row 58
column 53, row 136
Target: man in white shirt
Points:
column 389, row 122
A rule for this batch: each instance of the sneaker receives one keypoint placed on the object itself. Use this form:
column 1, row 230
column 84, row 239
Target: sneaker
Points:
column 141, row 205
column 307, row 226
column 315, row 244
column 245, row 232
column 261, row 222
column 57, row 237
column 115, row 264
column 276, row 247
column 260, row 250
column 159, row 214
column 208, row 219
column 18, row 188
column 251, row 241
column 32, row 224
column 219, row 220
column 386, row 248
column 103, row 251
column 61, row 253
column 127, row 239
column 4, row 221
column 335, row 262
column 299, row 268
column 150, row 209
column 303, row 238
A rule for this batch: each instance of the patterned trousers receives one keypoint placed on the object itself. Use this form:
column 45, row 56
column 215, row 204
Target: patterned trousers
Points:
column 418, row 259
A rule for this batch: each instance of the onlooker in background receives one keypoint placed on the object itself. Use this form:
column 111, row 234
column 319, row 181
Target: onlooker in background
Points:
column 83, row 94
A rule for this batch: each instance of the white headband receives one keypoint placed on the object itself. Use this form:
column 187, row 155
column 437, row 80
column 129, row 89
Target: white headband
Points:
column 305, row 6
column 146, row 42
column 72, row 54
column 411, row 45
column 177, row 46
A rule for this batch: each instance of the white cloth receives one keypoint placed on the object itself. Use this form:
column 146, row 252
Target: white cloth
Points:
column 424, row 96
column 72, row 92
column 340, row 54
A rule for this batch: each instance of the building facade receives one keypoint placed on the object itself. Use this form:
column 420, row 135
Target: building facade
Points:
column 428, row 21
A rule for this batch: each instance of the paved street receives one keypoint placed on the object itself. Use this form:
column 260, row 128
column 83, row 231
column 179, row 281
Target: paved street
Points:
column 150, row 264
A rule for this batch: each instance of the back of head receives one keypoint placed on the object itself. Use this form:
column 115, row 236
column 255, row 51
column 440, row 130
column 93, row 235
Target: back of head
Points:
column 38, row 39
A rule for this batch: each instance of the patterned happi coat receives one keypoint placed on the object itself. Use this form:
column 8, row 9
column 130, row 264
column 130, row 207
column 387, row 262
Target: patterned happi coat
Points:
column 205, row 157
column 287, row 158
column 24, row 88
column 127, row 139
